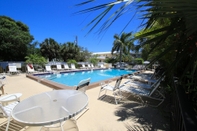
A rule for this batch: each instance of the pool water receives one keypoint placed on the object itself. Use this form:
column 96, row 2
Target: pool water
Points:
column 73, row 78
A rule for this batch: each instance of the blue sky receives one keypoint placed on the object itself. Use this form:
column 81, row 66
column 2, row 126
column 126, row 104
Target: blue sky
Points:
column 55, row 19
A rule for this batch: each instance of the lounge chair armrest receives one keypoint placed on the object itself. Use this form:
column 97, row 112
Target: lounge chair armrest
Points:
column 16, row 98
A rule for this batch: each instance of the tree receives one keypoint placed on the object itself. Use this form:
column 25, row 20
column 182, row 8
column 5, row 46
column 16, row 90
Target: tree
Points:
column 70, row 50
column 14, row 39
column 32, row 49
column 177, row 38
column 84, row 55
column 50, row 49
column 71, row 61
column 94, row 59
column 122, row 44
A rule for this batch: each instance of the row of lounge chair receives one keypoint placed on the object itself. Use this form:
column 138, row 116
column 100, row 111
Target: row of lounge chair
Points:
column 30, row 68
column 142, row 87
column 89, row 66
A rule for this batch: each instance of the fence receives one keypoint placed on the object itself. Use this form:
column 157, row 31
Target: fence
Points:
column 4, row 65
column 184, row 118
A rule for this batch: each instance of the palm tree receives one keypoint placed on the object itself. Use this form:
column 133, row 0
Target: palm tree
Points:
column 35, row 59
column 50, row 49
column 122, row 44
column 175, row 35
column 70, row 50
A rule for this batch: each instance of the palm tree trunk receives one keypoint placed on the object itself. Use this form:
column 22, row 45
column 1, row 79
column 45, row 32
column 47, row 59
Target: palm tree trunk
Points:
column 120, row 57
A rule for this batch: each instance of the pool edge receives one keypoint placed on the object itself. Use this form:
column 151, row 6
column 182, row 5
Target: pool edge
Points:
column 58, row 86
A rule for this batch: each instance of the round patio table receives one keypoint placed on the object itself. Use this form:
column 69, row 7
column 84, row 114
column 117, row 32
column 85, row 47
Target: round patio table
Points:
column 50, row 107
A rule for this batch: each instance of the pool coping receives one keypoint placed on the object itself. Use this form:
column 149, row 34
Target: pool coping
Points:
column 59, row 86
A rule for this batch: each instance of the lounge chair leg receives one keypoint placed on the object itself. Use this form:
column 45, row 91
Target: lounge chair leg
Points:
column 99, row 93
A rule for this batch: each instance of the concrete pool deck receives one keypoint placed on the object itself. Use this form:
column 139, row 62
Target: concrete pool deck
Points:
column 103, row 115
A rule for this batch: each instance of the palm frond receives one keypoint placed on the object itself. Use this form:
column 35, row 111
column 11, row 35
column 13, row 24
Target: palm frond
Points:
column 107, row 6
column 83, row 3
column 99, row 18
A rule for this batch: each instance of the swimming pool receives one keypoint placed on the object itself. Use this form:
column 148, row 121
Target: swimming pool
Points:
column 73, row 78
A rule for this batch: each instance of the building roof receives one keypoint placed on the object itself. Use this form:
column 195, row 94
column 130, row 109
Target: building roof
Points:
column 109, row 52
column 101, row 53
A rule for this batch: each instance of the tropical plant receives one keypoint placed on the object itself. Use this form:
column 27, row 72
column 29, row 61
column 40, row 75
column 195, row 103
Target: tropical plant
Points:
column 71, row 61
column 122, row 44
column 50, row 49
column 84, row 55
column 93, row 59
column 33, row 49
column 175, row 36
column 14, row 39
column 35, row 59
column 69, row 50
column 138, row 61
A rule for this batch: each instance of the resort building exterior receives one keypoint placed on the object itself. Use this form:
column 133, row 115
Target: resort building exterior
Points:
column 101, row 56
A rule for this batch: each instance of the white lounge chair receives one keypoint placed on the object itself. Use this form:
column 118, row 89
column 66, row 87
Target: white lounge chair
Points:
column 5, row 111
column 92, row 65
column 146, row 78
column 48, row 68
column 66, row 67
column 83, row 66
column 73, row 67
column 148, row 85
column 142, row 92
column 13, row 69
column 113, row 88
column 89, row 66
column 102, row 66
column 30, row 68
column 59, row 67
column 83, row 84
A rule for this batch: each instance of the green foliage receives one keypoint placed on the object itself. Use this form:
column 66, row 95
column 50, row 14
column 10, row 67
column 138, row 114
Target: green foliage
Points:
column 50, row 49
column 123, row 44
column 35, row 59
column 84, row 55
column 111, row 60
column 72, row 61
column 170, row 36
column 32, row 49
column 69, row 51
column 14, row 39
column 173, row 41
column 93, row 60
column 138, row 61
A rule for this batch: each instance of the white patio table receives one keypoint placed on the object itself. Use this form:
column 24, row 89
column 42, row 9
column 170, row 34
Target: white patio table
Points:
column 50, row 107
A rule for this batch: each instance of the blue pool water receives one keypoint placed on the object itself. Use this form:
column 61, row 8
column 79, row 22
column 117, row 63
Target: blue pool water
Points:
column 73, row 78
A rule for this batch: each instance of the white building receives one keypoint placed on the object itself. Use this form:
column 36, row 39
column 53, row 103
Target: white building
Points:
column 101, row 56
column 104, row 55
